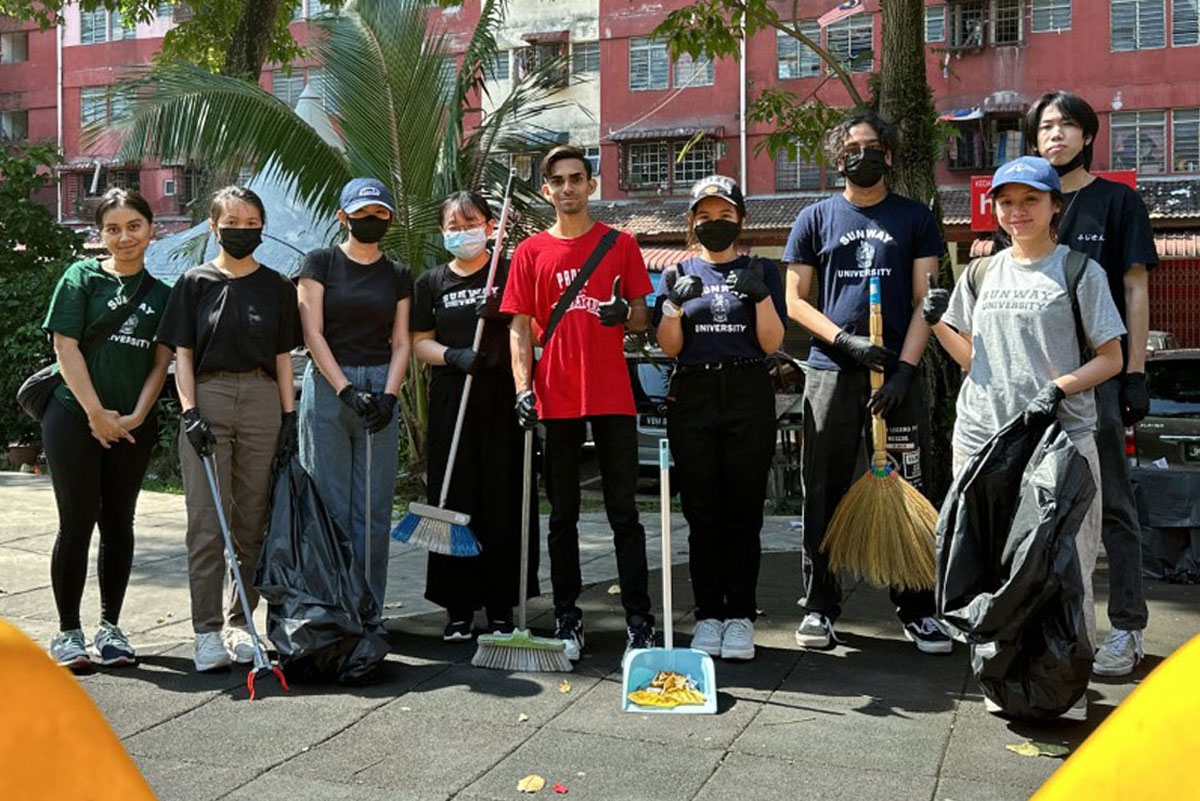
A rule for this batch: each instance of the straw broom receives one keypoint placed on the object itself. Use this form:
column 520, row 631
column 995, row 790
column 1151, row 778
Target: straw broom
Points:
column 883, row 529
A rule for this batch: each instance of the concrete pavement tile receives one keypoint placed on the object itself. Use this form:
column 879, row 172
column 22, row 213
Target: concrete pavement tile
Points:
column 764, row 778
column 21, row 570
column 613, row 768
column 955, row 789
column 178, row 780
column 279, row 786
column 467, row 693
column 392, row 748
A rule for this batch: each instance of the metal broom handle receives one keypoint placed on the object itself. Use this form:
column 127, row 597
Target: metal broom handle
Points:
column 526, row 503
column 487, row 292
column 664, row 484
column 878, row 425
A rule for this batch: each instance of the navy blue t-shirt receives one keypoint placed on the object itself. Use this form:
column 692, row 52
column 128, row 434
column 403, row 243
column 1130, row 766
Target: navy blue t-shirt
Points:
column 720, row 326
column 846, row 245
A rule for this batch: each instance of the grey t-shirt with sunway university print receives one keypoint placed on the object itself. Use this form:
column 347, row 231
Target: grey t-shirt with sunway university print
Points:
column 1023, row 336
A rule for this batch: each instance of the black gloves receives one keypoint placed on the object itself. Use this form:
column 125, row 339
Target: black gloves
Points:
column 1135, row 400
column 198, row 433
column 614, row 311
column 935, row 303
column 748, row 284
column 375, row 411
column 361, row 403
column 462, row 358
column 1041, row 410
column 862, row 351
column 892, row 393
column 685, row 288
column 385, row 406
column 526, row 408
column 289, row 437
column 488, row 308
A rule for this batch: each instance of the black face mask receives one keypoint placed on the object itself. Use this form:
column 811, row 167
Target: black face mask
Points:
column 368, row 230
column 717, row 235
column 865, row 168
column 239, row 242
column 1070, row 166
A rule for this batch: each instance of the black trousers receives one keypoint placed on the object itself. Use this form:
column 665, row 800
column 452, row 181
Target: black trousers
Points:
column 486, row 484
column 616, row 448
column 722, row 429
column 833, row 457
column 92, row 485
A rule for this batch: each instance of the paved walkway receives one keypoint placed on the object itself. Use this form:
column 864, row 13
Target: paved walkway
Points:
column 871, row 719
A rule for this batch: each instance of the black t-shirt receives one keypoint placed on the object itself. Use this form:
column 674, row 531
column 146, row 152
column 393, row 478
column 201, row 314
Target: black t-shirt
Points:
column 444, row 302
column 360, row 303
column 233, row 324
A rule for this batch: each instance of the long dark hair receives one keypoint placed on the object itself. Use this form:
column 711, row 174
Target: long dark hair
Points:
column 123, row 198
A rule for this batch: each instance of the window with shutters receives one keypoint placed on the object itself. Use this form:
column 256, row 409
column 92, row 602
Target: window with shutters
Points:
column 795, row 174
column 317, row 78
column 1185, row 140
column 851, row 41
column 287, row 87
column 693, row 72
column 1185, row 23
column 649, row 64
column 14, row 47
column 670, row 165
column 1006, row 23
column 1051, row 15
column 966, row 22
column 540, row 54
column 93, row 27
column 316, row 8
column 1138, row 24
column 935, row 23
column 793, row 59
column 585, row 57
column 14, row 125
column 93, row 103
column 1138, row 141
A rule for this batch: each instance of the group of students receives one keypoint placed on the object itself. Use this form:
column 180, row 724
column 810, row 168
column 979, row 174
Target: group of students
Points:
column 720, row 313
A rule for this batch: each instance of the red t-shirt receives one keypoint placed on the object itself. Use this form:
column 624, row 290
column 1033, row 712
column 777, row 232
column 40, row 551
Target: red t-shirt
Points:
column 582, row 372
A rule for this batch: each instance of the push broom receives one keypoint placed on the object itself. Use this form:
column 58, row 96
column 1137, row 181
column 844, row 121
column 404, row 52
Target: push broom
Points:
column 437, row 528
column 520, row 651
column 883, row 529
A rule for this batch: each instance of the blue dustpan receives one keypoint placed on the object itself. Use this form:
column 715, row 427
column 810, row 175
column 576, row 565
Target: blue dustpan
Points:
column 642, row 665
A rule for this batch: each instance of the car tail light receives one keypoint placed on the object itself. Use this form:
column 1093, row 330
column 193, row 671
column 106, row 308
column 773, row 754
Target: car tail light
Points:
column 1130, row 443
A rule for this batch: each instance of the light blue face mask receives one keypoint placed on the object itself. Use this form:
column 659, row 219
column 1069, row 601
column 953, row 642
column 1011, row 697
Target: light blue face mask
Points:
column 465, row 245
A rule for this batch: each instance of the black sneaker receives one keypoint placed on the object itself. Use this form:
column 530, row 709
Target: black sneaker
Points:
column 569, row 629
column 457, row 631
column 929, row 636
column 500, row 626
column 640, row 635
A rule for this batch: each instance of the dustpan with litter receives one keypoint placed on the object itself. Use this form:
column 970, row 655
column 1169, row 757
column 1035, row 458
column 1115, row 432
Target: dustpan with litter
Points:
column 658, row 677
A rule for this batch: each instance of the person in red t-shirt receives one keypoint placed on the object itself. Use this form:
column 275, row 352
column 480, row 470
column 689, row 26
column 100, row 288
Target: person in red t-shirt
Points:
column 582, row 379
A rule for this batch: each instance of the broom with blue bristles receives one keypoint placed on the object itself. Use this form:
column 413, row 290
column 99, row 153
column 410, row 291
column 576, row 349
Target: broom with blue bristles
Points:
column 437, row 528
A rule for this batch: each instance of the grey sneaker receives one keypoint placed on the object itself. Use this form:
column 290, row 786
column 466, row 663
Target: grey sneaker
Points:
column 112, row 646
column 238, row 644
column 706, row 636
column 1120, row 654
column 815, row 631
column 737, row 640
column 1078, row 710
column 210, row 653
column 69, row 649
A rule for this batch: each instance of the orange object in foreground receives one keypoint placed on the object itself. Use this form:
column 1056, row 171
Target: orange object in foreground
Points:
column 53, row 740
column 1147, row 747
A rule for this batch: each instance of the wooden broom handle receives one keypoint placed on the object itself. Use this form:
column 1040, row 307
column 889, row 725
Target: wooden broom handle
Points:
column 878, row 426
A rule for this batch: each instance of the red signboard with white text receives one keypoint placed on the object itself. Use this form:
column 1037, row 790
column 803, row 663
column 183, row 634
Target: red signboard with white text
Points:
column 982, row 218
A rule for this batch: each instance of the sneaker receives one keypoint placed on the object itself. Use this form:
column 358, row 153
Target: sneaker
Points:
column 112, row 646
column 929, row 636
column 815, row 631
column 991, row 706
column 639, row 636
column 737, row 640
column 69, row 649
column 570, row 630
column 1078, row 711
column 457, row 631
column 238, row 644
column 706, row 636
column 210, row 652
column 502, row 626
column 1120, row 653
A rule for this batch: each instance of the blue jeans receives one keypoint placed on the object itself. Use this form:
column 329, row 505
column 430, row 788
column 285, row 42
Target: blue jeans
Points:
column 333, row 449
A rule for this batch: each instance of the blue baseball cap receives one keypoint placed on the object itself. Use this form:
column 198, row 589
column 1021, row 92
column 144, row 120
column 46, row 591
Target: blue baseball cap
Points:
column 361, row 192
column 1029, row 170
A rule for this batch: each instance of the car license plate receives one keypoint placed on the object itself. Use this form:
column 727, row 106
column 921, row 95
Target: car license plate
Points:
column 657, row 421
column 1191, row 452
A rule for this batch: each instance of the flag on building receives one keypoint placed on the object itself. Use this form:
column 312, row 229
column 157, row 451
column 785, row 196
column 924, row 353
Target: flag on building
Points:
column 843, row 10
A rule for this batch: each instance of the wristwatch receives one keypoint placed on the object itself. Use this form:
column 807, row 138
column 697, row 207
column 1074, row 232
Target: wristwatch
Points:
column 669, row 309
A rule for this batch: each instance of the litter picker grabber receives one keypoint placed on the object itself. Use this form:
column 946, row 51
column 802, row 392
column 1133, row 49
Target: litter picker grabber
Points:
column 262, row 664
column 437, row 528
column 668, row 679
column 520, row 651
column 367, row 519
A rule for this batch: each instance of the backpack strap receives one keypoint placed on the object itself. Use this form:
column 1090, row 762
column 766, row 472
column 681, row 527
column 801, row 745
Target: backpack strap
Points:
column 976, row 271
column 1074, row 268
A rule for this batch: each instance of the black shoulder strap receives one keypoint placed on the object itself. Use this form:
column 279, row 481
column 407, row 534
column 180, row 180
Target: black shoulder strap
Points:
column 1075, row 266
column 585, row 272
column 93, row 343
column 976, row 271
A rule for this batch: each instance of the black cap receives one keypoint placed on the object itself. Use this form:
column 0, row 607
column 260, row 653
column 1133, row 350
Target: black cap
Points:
column 718, row 186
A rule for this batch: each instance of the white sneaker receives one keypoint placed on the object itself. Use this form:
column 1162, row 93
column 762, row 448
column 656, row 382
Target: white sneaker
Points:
column 1078, row 710
column 991, row 706
column 210, row 652
column 737, row 640
column 238, row 644
column 706, row 636
column 815, row 631
column 1120, row 654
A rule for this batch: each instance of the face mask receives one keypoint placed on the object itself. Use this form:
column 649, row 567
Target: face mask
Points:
column 717, row 235
column 865, row 168
column 368, row 230
column 1070, row 166
column 239, row 242
column 465, row 245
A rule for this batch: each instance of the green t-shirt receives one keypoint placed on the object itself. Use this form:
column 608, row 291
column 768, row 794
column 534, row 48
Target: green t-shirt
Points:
column 84, row 301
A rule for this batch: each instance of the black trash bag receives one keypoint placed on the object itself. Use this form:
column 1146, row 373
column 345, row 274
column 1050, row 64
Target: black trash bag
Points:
column 1008, row 575
column 321, row 616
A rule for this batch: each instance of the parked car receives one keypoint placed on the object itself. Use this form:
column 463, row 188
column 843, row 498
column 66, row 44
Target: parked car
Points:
column 1170, row 434
column 1161, row 340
